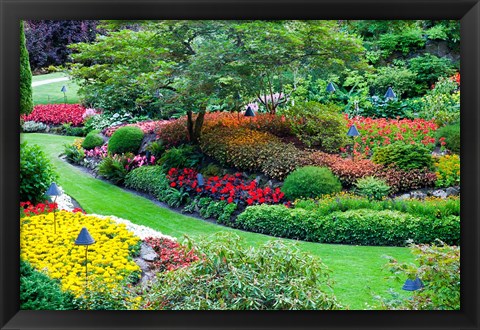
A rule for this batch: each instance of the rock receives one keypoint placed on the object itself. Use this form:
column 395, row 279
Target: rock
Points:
column 404, row 196
column 144, row 266
column 440, row 193
column 418, row 194
column 452, row 191
column 147, row 253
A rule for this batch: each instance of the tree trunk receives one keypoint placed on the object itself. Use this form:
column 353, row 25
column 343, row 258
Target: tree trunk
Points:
column 190, row 125
column 198, row 127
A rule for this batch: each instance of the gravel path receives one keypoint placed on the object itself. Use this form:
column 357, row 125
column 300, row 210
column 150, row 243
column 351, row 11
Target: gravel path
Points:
column 49, row 81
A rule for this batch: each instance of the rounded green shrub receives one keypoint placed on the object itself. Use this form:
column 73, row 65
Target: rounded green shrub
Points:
column 404, row 156
column 273, row 276
column 372, row 188
column 451, row 134
column 92, row 140
column 36, row 173
column 310, row 182
column 125, row 139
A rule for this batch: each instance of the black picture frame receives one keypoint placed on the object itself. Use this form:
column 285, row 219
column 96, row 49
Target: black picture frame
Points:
column 11, row 11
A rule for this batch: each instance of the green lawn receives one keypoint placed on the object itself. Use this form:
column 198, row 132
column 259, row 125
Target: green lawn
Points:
column 51, row 93
column 357, row 270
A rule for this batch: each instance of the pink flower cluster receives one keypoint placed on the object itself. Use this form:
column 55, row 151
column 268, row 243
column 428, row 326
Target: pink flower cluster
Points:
column 139, row 161
column 56, row 114
column 97, row 152
column 148, row 127
column 89, row 113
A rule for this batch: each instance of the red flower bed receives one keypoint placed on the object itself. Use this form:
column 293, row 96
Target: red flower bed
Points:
column 148, row 127
column 171, row 255
column 56, row 114
column 29, row 209
column 382, row 131
column 229, row 188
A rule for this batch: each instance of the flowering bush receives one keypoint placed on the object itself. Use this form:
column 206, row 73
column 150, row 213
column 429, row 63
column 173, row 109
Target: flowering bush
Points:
column 148, row 127
column 171, row 254
column 229, row 188
column 97, row 152
column 57, row 255
column 447, row 171
column 89, row 113
column 382, row 131
column 28, row 209
column 56, row 114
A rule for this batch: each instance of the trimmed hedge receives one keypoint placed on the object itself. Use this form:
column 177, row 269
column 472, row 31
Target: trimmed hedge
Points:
column 361, row 227
column 126, row 139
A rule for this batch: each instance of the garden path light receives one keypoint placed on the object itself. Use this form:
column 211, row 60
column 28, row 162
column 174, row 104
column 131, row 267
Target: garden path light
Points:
column 53, row 190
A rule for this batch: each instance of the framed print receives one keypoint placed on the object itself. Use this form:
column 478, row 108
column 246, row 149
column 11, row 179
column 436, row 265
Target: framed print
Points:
column 239, row 164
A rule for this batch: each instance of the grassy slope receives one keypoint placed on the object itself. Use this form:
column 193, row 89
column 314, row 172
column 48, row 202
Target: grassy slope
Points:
column 357, row 270
column 51, row 93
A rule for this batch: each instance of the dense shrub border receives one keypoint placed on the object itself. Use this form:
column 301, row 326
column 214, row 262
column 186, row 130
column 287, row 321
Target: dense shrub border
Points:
column 362, row 226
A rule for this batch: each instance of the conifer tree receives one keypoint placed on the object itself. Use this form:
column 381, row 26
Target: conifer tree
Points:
column 26, row 99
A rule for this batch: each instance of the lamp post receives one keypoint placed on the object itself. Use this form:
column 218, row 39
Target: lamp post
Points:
column 330, row 88
column 200, row 179
column 64, row 91
column 84, row 238
column 390, row 94
column 353, row 133
column 413, row 285
column 249, row 113
column 53, row 190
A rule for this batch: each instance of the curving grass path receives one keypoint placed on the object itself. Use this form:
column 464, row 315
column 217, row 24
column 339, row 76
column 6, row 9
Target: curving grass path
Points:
column 357, row 270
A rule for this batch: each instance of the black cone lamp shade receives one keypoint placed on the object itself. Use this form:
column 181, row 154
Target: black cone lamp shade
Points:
column 412, row 285
column 352, row 131
column 53, row 190
column 390, row 94
column 330, row 88
column 249, row 112
column 84, row 238
column 64, row 89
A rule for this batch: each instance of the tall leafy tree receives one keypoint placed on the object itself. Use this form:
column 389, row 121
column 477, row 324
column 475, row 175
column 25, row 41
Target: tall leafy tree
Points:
column 202, row 65
column 26, row 99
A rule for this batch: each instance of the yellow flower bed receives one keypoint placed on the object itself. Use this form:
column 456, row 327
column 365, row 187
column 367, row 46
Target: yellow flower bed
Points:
column 59, row 257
